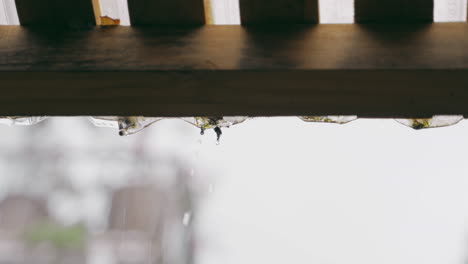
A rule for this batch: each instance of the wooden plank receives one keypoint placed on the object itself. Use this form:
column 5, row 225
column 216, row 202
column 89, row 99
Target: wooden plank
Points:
column 208, row 12
column 56, row 13
column 279, row 11
column 166, row 12
column 97, row 11
column 394, row 11
column 232, row 70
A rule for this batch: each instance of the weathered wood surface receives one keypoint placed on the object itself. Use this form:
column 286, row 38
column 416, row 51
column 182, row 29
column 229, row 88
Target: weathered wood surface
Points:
column 279, row 11
column 97, row 11
column 166, row 12
column 394, row 11
column 56, row 13
column 372, row 71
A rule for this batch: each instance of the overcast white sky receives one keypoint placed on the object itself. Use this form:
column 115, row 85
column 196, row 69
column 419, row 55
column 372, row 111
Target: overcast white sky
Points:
column 371, row 191
column 287, row 191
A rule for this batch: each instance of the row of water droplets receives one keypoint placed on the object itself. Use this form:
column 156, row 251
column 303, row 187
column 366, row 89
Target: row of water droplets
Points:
column 129, row 125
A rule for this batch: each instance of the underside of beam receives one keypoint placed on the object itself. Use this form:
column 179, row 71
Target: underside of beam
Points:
column 279, row 11
column 56, row 13
column 166, row 12
column 372, row 71
column 394, row 11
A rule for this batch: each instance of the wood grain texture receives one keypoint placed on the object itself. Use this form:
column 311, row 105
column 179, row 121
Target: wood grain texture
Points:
column 394, row 11
column 368, row 70
column 97, row 11
column 166, row 12
column 56, row 13
column 209, row 18
column 279, row 11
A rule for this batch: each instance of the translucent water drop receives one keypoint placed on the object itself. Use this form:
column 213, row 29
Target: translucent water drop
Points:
column 215, row 123
column 329, row 119
column 435, row 121
column 134, row 124
column 127, row 125
column 233, row 120
column 21, row 120
column 219, row 132
column 187, row 218
column 105, row 121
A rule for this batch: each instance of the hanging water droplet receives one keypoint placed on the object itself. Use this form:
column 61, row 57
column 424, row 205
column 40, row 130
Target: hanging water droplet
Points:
column 215, row 123
column 219, row 132
column 133, row 124
column 329, row 119
column 187, row 218
column 436, row 121
column 105, row 121
column 21, row 120
column 127, row 125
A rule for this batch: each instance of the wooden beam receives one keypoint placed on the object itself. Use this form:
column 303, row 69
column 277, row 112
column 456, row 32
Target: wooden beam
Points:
column 279, row 11
column 368, row 70
column 166, row 12
column 56, row 13
column 394, row 11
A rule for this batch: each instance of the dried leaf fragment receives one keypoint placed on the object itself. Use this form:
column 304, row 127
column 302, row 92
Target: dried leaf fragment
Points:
column 108, row 21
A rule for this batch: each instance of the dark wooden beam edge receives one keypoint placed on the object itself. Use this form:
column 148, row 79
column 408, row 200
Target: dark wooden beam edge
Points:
column 376, row 71
column 394, row 11
column 166, row 12
column 397, row 93
column 255, row 12
column 56, row 13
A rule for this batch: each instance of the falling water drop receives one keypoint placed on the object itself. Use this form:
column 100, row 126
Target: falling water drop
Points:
column 187, row 218
column 219, row 132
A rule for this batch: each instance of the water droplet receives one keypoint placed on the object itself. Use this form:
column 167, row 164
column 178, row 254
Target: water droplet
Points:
column 205, row 123
column 187, row 218
column 329, row 119
column 202, row 131
column 219, row 132
column 21, row 120
column 435, row 121
column 132, row 124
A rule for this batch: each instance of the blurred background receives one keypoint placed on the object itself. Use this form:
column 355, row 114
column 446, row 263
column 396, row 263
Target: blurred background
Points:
column 275, row 190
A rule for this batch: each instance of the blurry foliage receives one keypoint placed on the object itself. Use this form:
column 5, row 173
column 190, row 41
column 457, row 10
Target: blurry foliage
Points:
column 57, row 235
